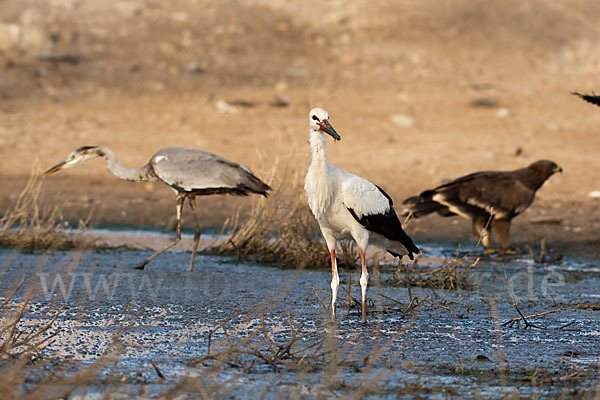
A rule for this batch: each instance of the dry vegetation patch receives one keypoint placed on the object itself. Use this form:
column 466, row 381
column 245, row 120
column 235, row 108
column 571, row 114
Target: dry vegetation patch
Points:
column 454, row 273
column 27, row 225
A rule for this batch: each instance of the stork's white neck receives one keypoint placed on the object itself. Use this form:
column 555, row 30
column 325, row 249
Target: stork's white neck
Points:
column 318, row 148
column 318, row 187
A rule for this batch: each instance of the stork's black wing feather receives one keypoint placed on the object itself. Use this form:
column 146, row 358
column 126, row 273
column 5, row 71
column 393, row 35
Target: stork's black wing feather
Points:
column 388, row 225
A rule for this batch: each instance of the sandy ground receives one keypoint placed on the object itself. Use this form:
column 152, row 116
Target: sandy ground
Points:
column 420, row 91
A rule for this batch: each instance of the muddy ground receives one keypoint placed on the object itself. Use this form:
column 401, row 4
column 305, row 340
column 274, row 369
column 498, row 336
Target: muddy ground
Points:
column 419, row 91
column 462, row 347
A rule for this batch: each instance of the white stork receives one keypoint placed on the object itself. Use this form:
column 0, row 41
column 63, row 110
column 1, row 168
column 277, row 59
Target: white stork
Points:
column 349, row 207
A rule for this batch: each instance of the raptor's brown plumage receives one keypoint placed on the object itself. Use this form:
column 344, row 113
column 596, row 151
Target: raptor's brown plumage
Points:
column 494, row 196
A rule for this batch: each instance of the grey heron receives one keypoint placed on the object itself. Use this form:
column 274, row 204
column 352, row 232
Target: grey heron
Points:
column 349, row 207
column 189, row 172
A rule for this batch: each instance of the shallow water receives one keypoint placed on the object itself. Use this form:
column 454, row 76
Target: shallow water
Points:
column 169, row 313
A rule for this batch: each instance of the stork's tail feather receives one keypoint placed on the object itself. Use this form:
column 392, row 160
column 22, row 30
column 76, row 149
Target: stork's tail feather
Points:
column 408, row 245
column 410, row 252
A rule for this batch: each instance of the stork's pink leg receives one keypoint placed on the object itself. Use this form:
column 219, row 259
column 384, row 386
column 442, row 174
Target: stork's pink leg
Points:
column 364, row 280
column 335, row 282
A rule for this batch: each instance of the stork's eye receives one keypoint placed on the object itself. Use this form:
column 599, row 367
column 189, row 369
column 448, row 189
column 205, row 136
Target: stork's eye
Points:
column 315, row 118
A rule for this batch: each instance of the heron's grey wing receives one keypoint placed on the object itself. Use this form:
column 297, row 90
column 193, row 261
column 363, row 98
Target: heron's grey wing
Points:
column 196, row 170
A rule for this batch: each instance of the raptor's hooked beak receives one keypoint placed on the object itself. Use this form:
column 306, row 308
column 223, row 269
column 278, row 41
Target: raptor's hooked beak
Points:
column 327, row 128
column 56, row 168
column 557, row 169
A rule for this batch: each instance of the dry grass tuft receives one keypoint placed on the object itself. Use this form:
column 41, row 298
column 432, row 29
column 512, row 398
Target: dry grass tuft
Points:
column 455, row 273
column 281, row 230
column 21, row 343
column 28, row 369
column 17, row 340
column 28, row 226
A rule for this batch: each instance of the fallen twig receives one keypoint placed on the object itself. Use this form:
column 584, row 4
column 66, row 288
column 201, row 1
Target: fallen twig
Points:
column 516, row 320
column 160, row 375
column 523, row 317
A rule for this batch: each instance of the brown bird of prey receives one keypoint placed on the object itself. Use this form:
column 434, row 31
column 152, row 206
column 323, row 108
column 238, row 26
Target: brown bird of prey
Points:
column 491, row 199
column 590, row 98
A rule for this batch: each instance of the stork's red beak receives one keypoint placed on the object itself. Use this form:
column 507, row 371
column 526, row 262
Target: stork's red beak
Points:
column 327, row 128
column 57, row 167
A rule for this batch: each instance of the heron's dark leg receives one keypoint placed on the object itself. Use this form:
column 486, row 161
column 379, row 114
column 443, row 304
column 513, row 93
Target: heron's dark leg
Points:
column 192, row 201
column 481, row 229
column 364, row 281
column 179, row 207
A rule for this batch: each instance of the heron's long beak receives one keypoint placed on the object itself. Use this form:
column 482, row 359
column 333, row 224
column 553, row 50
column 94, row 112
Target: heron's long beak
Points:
column 327, row 128
column 56, row 168
column 557, row 169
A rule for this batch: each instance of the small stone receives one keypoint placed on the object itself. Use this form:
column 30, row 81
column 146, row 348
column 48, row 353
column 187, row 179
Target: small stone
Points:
column 224, row 107
column 405, row 121
column 195, row 68
column 504, row 113
column 594, row 194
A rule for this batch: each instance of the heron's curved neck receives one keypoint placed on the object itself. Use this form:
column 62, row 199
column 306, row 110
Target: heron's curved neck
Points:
column 128, row 174
column 318, row 148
